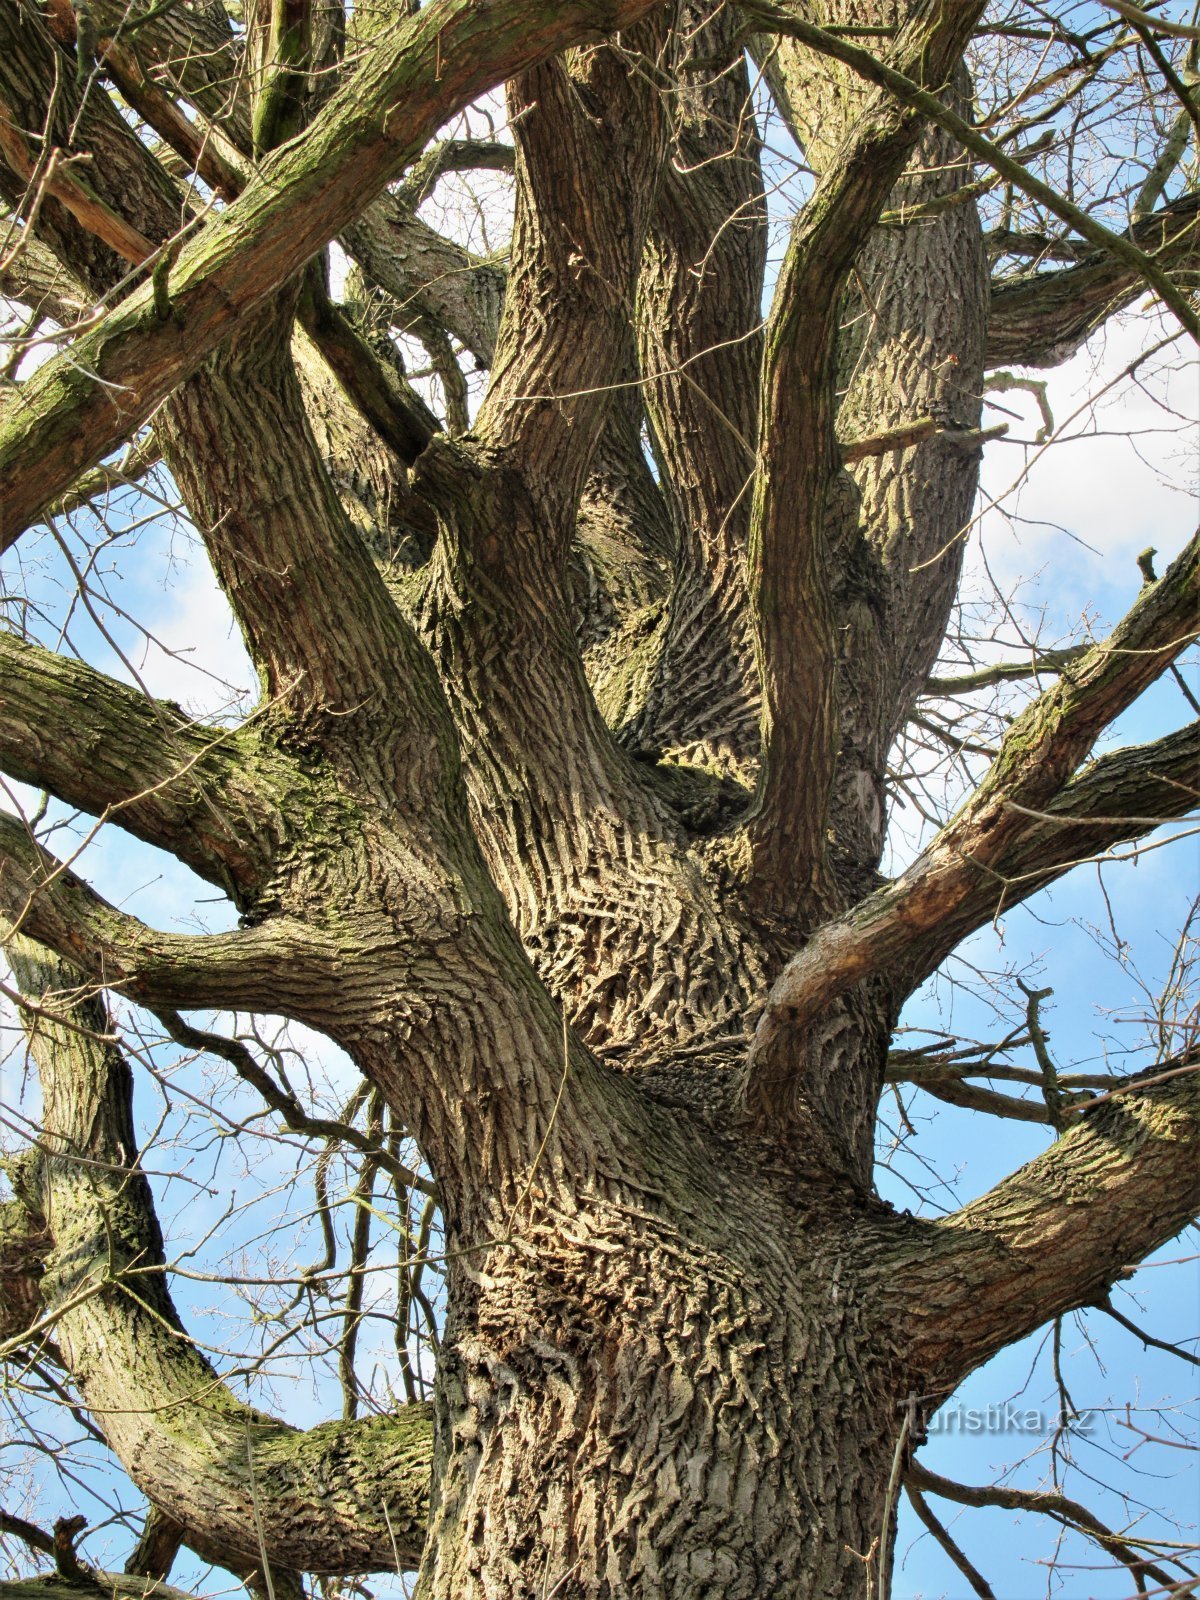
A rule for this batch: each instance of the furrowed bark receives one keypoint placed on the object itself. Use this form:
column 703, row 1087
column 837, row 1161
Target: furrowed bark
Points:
column 194, row 48
column 802, row 489
column 909, row 92
column 699, row 324
column 679, row 1346
column 128, row 180
column 429, row 276
column 73, row 411
column 911, row 347
column 24, row 1245
column 592, row 864
column 219, row 1468
column 318, row 620
column 123, row 181
column 589, row 138
column 204, row 794
column 34, row 277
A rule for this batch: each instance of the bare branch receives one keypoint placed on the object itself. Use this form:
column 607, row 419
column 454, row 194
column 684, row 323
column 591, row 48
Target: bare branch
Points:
column 340, row 1498
column 1056, row 1235
column 1046, row 661
column 1119, row 247
column 1042, row 320
column 254, row 970
column 204, row 794
column 76, row 408
column 919, row 1504
column 966, row 874
column 799, row 474
column 1049, row 1503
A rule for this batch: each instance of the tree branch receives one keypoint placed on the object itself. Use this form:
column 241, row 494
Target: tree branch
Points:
column 590, row 140
column 699, row 316
column 909, row 92
column 800, row 474
column 80, row 405
column 257, row 969
column 126, row 1586
column 941, row 1534
column 1047, row 1502
column 340, row 1498
column 1046, row 661
column 1056, row 1235
column 204, row 794
column 428, row 276
column 24, row 1246
column 984, row 858
column 1042, row 320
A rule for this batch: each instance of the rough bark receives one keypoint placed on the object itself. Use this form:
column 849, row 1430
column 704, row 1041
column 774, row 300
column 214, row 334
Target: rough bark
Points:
column 699, row 294
column 302, row 196
column 487, row 829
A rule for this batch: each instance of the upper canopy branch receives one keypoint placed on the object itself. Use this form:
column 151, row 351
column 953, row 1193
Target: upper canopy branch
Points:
column 83, row 403
column 800, row 468
column 589, row 137
column 890, row 75
column 1009, row 826
column 699, row 323
column 1041, row 320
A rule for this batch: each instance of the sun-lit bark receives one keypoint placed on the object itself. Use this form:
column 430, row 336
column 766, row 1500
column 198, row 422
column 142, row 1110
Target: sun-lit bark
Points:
column 493, row 827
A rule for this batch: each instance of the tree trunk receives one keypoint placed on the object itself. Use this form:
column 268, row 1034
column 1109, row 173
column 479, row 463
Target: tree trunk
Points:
column 662, row 1386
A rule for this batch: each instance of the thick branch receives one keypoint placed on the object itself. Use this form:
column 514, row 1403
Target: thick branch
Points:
column 112, row 201
column 963, row 878
column 1042, row 320
column 699, row 325
column 80, row 405
column 257, row 969
column 340, row 1498
column 32, row 275
column 318, row 619
column 801, row 486
column 204, row 794
column 889, row 75
column 429, row 276
column 590, row 141
column 1057, row 1234
column 110, row 1585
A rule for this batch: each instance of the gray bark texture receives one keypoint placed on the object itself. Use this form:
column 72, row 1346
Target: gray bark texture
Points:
column 564, row 806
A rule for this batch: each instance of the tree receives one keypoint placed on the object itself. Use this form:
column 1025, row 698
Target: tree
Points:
column 563, row 806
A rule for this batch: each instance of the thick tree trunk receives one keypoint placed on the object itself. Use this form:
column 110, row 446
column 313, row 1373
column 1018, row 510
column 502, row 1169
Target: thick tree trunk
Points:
column 662, row 1388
